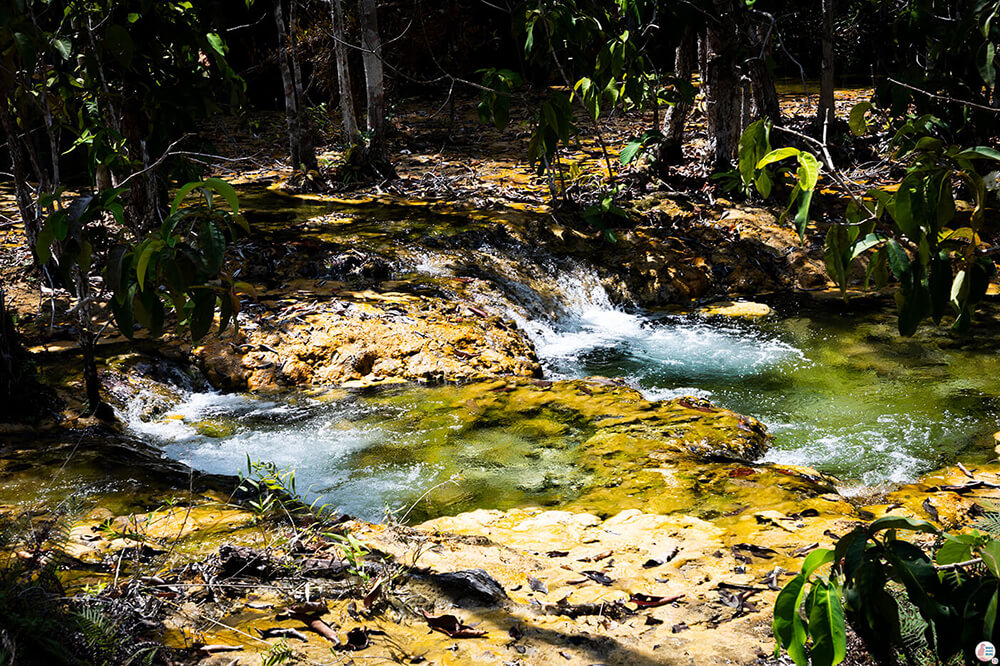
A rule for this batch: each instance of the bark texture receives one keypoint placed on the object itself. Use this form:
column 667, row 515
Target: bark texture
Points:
column 826, row 106
column 675, row 117
column 349, row 120
column 371, row 45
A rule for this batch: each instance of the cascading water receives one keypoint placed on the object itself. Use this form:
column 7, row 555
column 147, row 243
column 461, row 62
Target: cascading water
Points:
column 844, row 394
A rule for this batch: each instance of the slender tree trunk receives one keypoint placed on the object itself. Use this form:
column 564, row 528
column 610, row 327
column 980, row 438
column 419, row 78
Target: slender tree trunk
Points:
column 825, row 113
column 13, row 370
column 307, row 151
column 371, row 45
column 300, row 149
column 764, row 95
column 676, row 115
column 348, row 119
column 721, row 79
column 31, row 216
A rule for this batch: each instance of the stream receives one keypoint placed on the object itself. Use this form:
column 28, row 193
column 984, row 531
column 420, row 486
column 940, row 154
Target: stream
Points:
column 841, row 391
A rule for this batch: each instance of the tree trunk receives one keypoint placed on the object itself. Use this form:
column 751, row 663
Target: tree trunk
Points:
column 30, row 215
column 765, row 97
column 13, row 368
column 676, row 115
column 301, row 153
column 721, row 79
column 825, row 113
column 348, row 119
column 307, row 151
column 371, row 45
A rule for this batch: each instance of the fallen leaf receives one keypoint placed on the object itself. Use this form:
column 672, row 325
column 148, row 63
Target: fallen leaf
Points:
column 651, row 601
column 537, row 585
column 282, row 632
column 452, row 626
column 357, row 639
column 598, row 577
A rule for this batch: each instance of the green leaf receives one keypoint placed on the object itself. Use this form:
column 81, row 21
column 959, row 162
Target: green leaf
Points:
column 826, row 625
column 146, row 255
column 200, row 320
column 213, row 246
column 64, row 46
column 227, row 192
column 918, row 575
column 866, row 243
column 857, row 122
column 878, row 268
column 25, row 47
column 990, row 616
column 979, row 152
column 808, row 171
column 182, row 193
column 216, row 43
column 986, row 63
column 788, row 628
column 777, row 155
column 899, row 261
column 956, row 548
column 901, row 523
column 43, row 244
column 802, row 216
column 835, row 246
column 815, row 560
column 991, row 557
column 630, row 151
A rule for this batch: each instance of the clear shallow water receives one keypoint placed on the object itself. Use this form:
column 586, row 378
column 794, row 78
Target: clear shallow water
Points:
column 840, row 390
column 841, row 393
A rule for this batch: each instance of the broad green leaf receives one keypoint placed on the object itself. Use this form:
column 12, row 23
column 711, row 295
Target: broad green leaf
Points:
column 899, row 522
column 990, row 616
column 213, row 246
column 787, row 626
column 630, row 151
column 878, row 268
column 43, row 244
column 216, row 43
column 866, row 243
column 182, row 193
column 918, row 575
column 826, row 625
column 146, row 255
column 991, row 557
column 802, row 216
column 808, row 170
column 777, row 155
column 815, row 560
column 227, row 192
column 979, row 152
column 956, row 548
column 200, row 320
column 119, row 43
column 899, row 262
column 986, row 62
column 834, row 248
column 64, row 46
column 857, row 122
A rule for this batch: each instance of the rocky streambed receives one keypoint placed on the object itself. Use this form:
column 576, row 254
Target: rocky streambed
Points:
column 581, row 493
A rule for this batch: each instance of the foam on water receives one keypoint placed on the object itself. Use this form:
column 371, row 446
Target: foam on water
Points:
column 885, row 423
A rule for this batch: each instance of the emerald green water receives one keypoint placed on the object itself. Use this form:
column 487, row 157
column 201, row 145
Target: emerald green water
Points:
column 838, row 387
column 842, row 392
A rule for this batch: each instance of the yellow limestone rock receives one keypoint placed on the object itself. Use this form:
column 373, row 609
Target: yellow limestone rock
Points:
column 735, row 309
